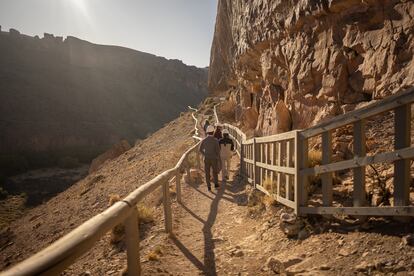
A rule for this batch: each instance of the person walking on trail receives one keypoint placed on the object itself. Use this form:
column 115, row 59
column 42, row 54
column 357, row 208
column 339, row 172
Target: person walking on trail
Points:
column 210, row 149
column 217, row 133
column 206, row 124
column 226, row 149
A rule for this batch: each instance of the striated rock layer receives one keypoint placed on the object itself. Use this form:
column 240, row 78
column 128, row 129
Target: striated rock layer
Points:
column 291, row 64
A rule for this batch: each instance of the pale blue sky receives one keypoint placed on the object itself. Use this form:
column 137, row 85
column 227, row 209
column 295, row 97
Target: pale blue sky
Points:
column 179, row 29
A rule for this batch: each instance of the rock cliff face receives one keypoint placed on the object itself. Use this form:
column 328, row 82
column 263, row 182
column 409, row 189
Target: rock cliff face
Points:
column 72, row 96
column 291, row 64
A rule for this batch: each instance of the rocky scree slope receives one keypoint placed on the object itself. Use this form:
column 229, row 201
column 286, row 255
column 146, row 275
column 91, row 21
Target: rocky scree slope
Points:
column 46, row 223
column 324, row 57
column 71, row 97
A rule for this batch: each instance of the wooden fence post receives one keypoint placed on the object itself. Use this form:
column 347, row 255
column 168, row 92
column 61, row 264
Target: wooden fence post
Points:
column 167, row 207
column 178, row 186
column 132, row 243
column 301, row 181
column 359, row 196
column 280, row 153
column 242, row 169
column 327, row 190
column 254, row 163
column 402, row 128
column 289, row 152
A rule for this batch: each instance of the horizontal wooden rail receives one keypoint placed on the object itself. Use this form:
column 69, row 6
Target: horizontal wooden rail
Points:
column 275, row 168
column 388, row 157
column 274, row 138
column 368, row 111
column 59, row 255
column 62, row 253
column 281, row 160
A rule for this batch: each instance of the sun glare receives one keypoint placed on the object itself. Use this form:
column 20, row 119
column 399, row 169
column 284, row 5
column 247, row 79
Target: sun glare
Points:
column 80, row 5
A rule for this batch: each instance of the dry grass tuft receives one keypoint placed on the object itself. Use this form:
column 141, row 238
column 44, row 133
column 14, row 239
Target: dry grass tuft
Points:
column 155, row 254
column 118, row 232
column 269, row 185
column 314, row 158
column 269, row 201
column 152, row 257
column 145, row 214
column 113, row 198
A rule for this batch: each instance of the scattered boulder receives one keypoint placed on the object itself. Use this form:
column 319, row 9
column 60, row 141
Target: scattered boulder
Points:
column 408, row 240
column 279, row 266
column 347, row 252
column 275, row 265
column 291, row 225
column 364, row 266
column 236, row 252
column 303, row 234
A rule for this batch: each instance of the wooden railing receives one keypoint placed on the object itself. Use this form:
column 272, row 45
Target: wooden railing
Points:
column 278, row 164
column 61, row 254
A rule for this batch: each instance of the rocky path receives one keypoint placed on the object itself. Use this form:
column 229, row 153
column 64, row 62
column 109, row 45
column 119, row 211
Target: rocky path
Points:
column 211, row 231
column 219, row 233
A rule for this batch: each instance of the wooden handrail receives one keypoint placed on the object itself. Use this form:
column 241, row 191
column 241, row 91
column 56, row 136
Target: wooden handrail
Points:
column 387, row 104
column 263, row 157
column 62, row 253
column 255, row 155
column 59, row 255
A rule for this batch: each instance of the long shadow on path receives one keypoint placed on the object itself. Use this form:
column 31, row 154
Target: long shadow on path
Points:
column 209, row 266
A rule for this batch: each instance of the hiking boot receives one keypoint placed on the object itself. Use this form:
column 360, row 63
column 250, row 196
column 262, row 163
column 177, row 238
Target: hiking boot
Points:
column 209, row 189
column 216, row 186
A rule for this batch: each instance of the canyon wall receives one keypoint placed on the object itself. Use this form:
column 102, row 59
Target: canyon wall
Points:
column 69, row 96
column 292, row 64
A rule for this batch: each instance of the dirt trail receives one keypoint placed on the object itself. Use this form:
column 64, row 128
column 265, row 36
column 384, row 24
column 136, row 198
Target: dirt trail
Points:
column 217, row 233
column 207, row 224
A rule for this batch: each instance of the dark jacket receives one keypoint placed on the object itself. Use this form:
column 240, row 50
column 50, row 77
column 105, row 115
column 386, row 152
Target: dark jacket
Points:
column 209, row 147
column 226, row 141
column 226, row 147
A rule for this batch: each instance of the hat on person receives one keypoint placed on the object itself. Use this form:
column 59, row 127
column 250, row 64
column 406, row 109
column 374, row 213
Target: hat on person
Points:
column 210, row 129
column 225, row 131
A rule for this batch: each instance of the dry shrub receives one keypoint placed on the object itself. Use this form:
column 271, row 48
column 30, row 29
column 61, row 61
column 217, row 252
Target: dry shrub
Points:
column 269, row 185
column 152, row 257
column 118, row 232
column 155, row 254
column 113, row 198
column 227, row 110
column 314, row 158
column 269, row 201
column 145, row 214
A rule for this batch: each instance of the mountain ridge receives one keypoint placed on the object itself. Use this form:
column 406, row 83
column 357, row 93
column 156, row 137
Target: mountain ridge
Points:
column 72, row 97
